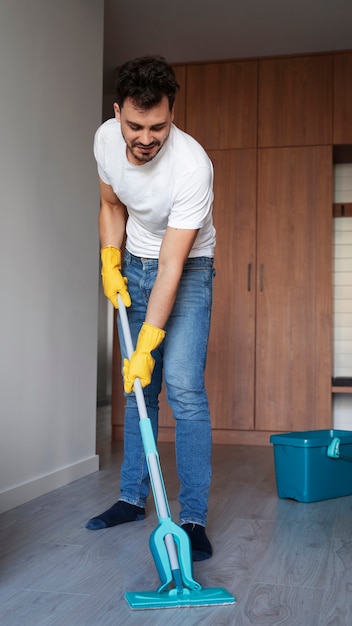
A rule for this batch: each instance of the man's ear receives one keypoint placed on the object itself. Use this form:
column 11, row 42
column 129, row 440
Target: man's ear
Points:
column 117, row 111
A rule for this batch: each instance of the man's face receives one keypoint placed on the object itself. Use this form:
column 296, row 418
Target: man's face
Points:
column 144, row 131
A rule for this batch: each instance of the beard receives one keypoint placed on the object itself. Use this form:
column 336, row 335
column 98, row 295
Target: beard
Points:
column 144, row 153
column 150, row 151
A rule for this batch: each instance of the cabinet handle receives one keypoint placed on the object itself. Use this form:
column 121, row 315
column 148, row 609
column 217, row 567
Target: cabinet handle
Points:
column 249, row 274
column 261, row 277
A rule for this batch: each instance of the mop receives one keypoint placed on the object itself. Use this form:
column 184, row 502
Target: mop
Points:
column 169, row 543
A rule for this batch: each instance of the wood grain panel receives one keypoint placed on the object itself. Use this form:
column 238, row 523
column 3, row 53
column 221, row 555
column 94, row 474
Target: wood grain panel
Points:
column 337, row 606
column 342, row 98
column 302, row 548
column 180, row 103
column 342, row 209
column 294, row 318
column 221, row 104
column 287, row 563
column 230, row 363
column 295, row 101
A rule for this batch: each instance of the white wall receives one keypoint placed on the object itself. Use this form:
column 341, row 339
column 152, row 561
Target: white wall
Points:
column 342, row 281
column 51, row 94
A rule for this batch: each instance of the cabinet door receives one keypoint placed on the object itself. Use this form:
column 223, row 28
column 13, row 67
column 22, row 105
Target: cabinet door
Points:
column 230, row 364
column 295, row 101
column 293, row 351
column 343, row 98
column 221, row 104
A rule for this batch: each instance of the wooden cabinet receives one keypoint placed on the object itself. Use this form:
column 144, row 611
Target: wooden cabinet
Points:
column 221, row 104
column 295, row 101
column 343, row 98
column 269, row 358
column 294, row 297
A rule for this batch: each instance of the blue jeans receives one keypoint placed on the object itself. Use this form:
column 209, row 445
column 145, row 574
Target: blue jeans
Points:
column 181, row 359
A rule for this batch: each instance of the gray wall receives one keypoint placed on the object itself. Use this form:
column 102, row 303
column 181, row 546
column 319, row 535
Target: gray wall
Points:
column 51, row 57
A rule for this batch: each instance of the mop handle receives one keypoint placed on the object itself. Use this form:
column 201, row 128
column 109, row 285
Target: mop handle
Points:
column 142, row 408
column 153, row 463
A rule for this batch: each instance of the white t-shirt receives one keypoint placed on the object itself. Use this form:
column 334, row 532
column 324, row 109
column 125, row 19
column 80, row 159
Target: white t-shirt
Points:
column 173, row 189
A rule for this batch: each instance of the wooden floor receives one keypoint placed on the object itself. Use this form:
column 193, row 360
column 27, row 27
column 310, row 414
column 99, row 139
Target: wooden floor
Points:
column 286, row 562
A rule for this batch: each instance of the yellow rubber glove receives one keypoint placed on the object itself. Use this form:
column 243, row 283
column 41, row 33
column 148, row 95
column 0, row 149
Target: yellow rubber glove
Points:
column 113, row 281
column 142, row 363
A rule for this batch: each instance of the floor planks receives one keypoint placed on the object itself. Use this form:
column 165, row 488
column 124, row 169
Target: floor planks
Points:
column 286, row 562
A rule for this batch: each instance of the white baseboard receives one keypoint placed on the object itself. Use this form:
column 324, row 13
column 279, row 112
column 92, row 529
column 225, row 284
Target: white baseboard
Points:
column 27, row 491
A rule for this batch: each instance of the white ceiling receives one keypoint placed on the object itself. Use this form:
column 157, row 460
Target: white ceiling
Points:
column 203, row 30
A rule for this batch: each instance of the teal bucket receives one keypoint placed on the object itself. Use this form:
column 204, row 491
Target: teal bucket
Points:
column 313, row 465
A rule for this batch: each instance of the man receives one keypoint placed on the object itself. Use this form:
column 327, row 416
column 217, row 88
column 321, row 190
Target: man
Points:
column 163, row 179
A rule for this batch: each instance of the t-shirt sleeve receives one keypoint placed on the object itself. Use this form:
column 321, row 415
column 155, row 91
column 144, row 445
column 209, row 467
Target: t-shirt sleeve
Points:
column 193, row 199
column 99, row 153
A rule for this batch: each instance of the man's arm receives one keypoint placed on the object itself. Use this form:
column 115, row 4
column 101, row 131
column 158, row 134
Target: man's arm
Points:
column 112, row 217
column 174, row 251
column 112, row 225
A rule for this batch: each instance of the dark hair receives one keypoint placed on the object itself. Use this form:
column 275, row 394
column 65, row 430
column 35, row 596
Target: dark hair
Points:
column 145, row 81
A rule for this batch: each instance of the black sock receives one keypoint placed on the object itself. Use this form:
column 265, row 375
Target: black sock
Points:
column 119, row 513
column 200, row 544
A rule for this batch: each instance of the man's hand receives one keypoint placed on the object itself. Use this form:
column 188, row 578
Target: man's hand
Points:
column 113, row 281
column 142, row 363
